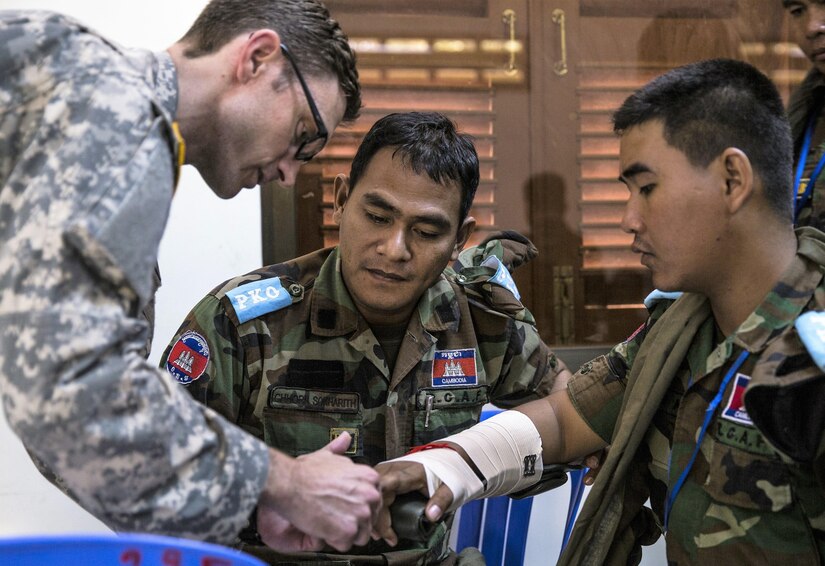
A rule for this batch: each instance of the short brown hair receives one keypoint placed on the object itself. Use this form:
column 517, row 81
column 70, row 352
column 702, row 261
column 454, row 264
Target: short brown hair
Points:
column 305, row 26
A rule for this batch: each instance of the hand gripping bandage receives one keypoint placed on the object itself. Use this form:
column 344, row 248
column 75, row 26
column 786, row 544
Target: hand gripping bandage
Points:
column 505, row 449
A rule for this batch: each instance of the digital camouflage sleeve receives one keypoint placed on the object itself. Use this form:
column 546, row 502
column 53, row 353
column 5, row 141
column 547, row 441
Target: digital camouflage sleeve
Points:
column 86, row 177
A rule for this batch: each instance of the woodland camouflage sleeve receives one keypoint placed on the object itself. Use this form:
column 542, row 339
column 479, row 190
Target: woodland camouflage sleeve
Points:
column 206, row 355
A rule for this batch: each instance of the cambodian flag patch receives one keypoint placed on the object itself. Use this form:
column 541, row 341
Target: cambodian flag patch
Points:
column 188, row 358
column 453, row 368
column 735, row 410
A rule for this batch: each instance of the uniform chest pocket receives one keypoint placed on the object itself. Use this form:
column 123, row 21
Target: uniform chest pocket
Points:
column 440, row 412
column 299, row 421
column 745, row 472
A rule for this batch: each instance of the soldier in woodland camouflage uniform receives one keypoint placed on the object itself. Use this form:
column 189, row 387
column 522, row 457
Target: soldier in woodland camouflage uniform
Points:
column 713, row 409
column 91, row 137
column 806, row 107
column 371, row 337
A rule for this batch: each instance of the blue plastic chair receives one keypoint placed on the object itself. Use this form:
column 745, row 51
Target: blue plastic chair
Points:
column 117, row 550
column 497, row 526
column 576, row 493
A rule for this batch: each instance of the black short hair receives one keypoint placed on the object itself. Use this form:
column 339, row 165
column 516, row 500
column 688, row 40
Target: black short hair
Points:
column 711, row 105
column 426, row 142
column 304, row 26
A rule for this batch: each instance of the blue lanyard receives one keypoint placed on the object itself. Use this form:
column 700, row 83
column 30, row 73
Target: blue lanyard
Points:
column 800, row 168
column 708, row 416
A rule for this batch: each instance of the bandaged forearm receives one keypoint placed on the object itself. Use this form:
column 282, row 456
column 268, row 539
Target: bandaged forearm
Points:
column 505, row 449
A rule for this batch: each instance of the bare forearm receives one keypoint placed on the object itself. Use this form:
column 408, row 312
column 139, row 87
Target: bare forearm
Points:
column 565, row 435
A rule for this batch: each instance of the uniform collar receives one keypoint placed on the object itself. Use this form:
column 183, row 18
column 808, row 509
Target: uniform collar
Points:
column 165, row 84
column 333, row 312
column 783, row 305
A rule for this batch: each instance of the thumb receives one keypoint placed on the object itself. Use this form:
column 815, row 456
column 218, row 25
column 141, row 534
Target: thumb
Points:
column 340, row 444
column 441, row 500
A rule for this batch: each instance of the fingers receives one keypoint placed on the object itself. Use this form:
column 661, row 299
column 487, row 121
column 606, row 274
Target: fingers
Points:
column 355, row 529
column 593, row 463
column 323, row 495
column 441, row 500
column 280, row 534
column 382, row 528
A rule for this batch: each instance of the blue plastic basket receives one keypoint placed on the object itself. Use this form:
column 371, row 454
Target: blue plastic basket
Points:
column 117, row 550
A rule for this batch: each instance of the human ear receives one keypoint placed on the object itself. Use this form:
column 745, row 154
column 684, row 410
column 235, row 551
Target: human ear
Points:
column 738, row 176
column 464, row 233
column 261, row 49
column 341, row 194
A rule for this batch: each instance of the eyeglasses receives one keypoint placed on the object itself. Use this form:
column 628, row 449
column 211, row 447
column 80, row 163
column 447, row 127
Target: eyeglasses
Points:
column 310, row 147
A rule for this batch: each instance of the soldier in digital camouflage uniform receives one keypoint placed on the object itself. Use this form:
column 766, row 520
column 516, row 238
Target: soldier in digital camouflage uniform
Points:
column 371, row 337
column 713, row 409
column 91, row 137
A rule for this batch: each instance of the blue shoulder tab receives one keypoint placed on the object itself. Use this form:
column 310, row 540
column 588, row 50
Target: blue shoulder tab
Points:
column 811, row 329
column 656, row 295
column 258, row 298
column 502, row 276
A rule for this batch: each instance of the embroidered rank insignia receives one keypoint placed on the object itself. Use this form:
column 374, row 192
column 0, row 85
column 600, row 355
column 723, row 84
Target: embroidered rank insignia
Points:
column 811, row 329
column 502, row 276
column 188, row 358
column 258, row 298
column 453, row 368
column 735, row 410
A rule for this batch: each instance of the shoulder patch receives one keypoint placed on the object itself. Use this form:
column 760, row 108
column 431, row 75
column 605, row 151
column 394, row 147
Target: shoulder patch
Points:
column 188, row 358
column 258, row 298
column 811, row 329
column 502, row 276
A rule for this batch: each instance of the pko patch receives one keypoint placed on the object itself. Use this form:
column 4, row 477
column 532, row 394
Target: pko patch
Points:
column 735, row 410
column 452, row 368
column 258, row 298
column 811, row 329
column 502, row 276
column 188, row 358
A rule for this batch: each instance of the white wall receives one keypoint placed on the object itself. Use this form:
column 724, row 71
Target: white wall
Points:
column 207, row 240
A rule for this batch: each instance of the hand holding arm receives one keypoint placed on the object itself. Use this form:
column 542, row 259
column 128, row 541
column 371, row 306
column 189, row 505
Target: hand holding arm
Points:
column 323, row 495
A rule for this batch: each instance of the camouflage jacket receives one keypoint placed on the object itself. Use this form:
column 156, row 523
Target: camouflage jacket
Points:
column 807, row 99
column 754, row 493
column 87, row 165
column 306, row 366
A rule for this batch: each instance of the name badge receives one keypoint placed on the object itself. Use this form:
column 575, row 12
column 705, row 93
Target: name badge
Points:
column 313, row 400
column 452, row 398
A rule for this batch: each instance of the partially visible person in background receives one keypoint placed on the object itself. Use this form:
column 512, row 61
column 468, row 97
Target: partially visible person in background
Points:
column 92, row 137
column 805, row 112
column 373, row 337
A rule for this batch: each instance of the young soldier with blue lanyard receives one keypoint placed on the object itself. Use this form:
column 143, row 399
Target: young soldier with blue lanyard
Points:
column 807, row 19
column 712, row 410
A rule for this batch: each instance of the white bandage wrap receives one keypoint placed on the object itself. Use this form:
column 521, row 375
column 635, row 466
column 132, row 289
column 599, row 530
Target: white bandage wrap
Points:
column 444, row 465
column 505, row 448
